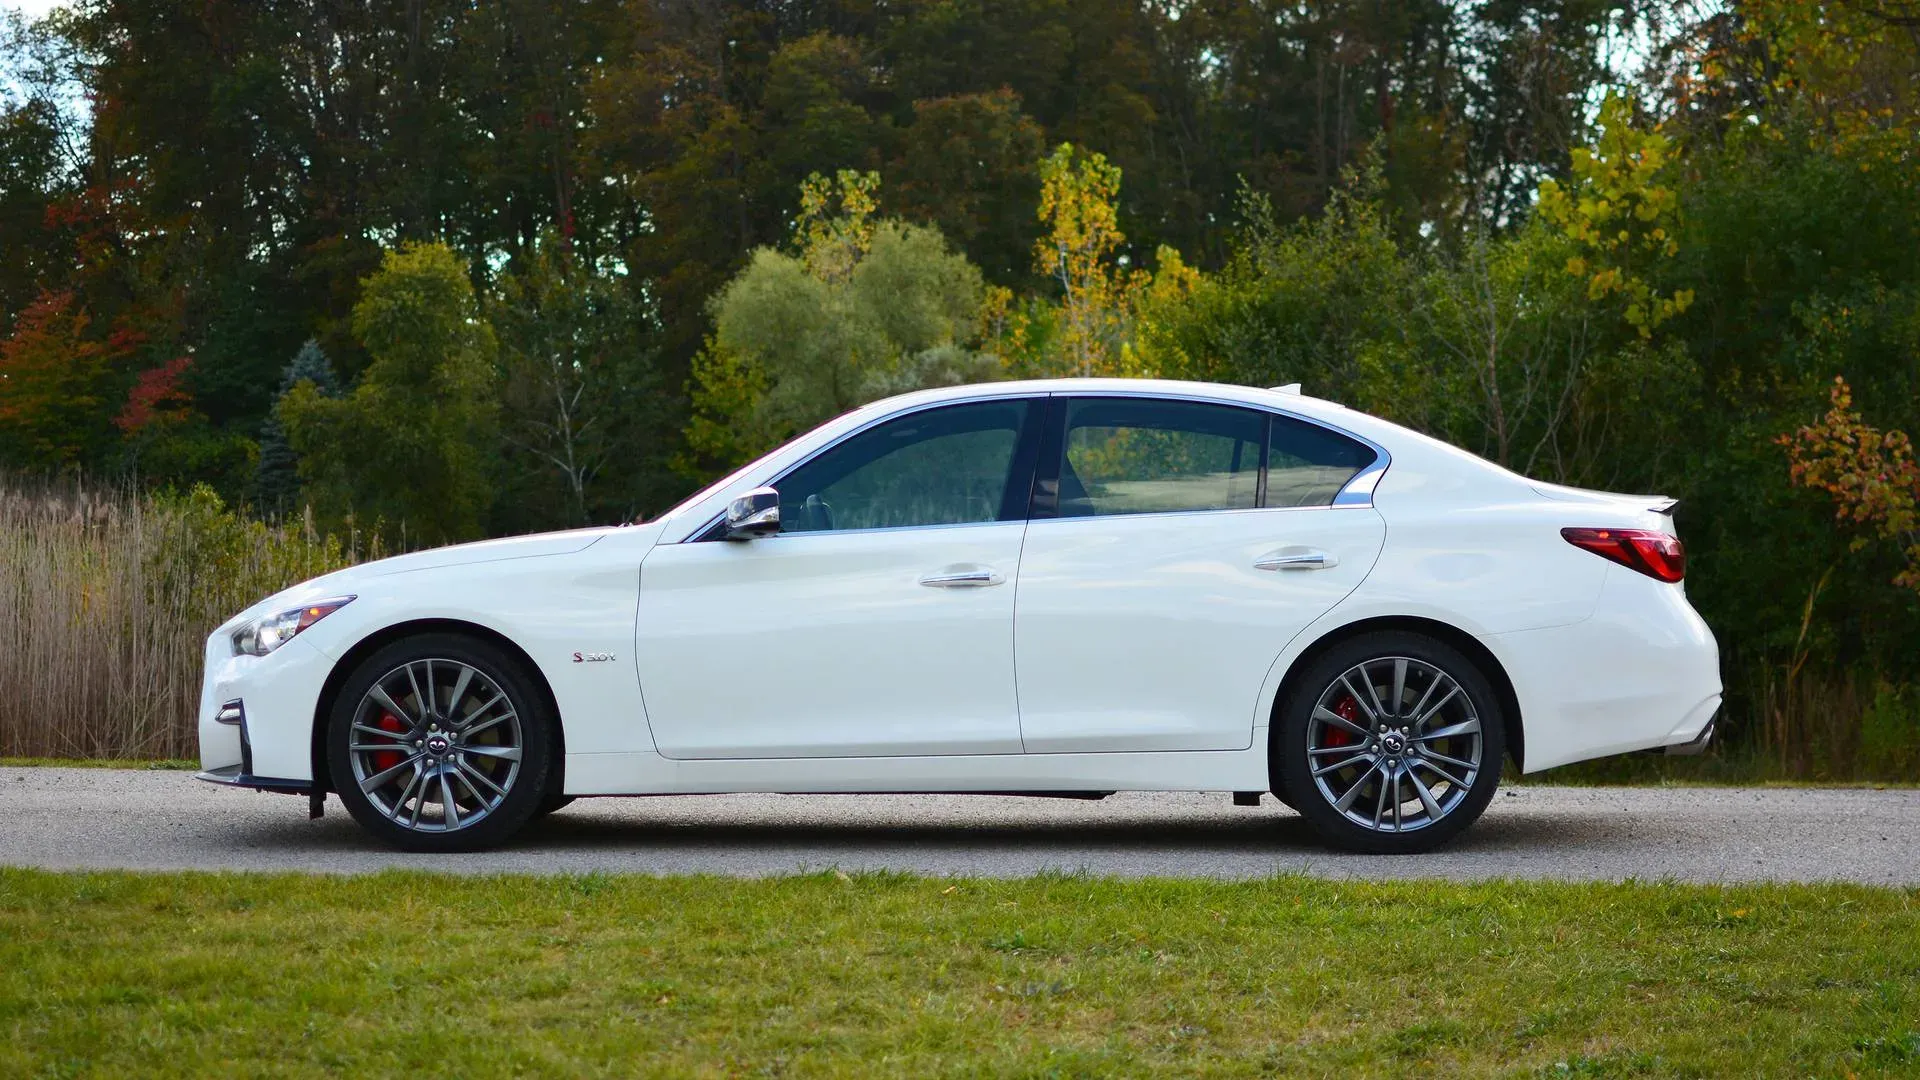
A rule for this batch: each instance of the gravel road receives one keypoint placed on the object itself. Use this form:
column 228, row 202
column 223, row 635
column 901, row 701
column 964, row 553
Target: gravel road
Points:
column 151, row 820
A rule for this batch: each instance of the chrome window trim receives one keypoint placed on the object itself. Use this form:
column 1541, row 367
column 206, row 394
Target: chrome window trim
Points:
column 1357, row 492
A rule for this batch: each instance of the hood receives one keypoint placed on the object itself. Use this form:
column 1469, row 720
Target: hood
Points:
column 353, row 578
column 511, row 547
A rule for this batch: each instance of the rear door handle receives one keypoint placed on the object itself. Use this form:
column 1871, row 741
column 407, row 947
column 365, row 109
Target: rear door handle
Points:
column 962, row 577
column 1295, row 559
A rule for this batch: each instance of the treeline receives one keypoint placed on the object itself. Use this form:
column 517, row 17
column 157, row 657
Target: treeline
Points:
column 449, row 269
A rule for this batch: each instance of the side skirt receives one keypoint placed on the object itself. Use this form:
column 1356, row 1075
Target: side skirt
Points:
column 1195, row 770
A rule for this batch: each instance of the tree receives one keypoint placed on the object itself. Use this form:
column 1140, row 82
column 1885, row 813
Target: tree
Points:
column 860, row 309
column 578, row 384
column 1079, row 197
column 1869, row 474
column 413, row 444
column 968, row 167
column 1619, row 209
column 276, row 479
column 1321, row 302
column 58, row 385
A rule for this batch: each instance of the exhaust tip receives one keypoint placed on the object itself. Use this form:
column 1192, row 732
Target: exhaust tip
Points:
column 1695, row 746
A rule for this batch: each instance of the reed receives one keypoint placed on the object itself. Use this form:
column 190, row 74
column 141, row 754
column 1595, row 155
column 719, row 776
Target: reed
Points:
column 106, row 601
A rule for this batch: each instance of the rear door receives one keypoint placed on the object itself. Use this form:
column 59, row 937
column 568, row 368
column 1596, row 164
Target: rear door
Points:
column 1176, row 547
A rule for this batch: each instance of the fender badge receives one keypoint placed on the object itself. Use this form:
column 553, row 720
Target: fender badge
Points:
column 592, row 657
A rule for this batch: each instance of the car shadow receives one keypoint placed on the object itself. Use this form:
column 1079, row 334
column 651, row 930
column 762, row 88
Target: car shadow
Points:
column 655, row 835
column 1269, row 831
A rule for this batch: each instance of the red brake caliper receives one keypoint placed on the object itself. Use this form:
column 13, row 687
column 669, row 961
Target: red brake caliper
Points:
column 1348, row 710
column 387, row 759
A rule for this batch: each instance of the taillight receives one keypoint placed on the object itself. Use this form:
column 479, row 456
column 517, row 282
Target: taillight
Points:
column 1655, row 554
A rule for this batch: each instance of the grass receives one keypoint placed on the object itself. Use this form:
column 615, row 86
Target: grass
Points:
column 197, row 974
column 106, row 601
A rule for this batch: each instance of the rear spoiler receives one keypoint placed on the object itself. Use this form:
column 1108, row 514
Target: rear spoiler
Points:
column 1659, row 504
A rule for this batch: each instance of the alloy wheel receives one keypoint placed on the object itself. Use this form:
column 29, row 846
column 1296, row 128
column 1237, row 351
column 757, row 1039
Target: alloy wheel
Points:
column 1394, row 744
column 435, row 745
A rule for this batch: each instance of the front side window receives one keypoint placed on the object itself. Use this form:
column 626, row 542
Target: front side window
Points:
column 1142, row 456
column 954, row 465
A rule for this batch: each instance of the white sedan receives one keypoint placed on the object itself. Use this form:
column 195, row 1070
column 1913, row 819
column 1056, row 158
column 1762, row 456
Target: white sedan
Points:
column 1069, row 587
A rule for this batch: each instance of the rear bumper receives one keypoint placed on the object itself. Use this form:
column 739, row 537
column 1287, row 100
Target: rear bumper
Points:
column 1642, row 673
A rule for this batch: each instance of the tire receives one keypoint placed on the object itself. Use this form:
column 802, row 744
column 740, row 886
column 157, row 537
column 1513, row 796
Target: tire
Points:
column 553, row 803
column 482, row 744
column 1381, row 782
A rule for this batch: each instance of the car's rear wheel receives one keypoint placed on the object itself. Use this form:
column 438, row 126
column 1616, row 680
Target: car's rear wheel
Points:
column 1389, row 743
column 440, row 743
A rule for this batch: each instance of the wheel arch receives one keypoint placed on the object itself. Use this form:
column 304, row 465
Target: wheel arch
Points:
column 1466, row 643
column 381, row 638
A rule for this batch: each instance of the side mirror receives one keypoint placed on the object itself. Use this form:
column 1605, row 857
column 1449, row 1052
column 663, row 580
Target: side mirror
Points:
column 757, row 513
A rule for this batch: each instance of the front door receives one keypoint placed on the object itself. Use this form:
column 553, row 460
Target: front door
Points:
column 878, row 622
column 1182, row 546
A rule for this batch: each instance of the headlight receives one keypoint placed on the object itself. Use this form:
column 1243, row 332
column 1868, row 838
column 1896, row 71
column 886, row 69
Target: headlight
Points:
column 263, row 635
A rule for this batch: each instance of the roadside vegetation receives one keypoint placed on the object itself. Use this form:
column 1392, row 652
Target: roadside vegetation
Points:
column 106, row 601
column 863, row 975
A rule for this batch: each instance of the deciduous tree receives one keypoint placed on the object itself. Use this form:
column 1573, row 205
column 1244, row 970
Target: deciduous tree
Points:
column 414, row 443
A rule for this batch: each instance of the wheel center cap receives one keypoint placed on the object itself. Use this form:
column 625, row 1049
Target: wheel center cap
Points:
column 1393, row 743
column 438, row 745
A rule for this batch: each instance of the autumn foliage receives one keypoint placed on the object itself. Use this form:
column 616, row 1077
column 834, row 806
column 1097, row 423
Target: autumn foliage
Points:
column 1870, row 475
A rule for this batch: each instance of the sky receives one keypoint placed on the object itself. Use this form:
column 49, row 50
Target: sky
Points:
column 33, row 8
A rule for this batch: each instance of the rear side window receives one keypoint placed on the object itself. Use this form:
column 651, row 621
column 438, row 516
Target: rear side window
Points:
column 1307, row 465
column 1128, row 455
column 1142, row 456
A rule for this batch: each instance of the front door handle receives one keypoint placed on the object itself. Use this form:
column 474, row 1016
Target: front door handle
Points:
column 962, row 577
column 1295, row 559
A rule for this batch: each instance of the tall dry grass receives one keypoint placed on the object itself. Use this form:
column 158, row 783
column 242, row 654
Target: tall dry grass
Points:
column 106, row 600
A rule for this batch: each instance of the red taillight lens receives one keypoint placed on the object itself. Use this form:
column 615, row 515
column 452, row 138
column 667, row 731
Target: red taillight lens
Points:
column 1655, row 554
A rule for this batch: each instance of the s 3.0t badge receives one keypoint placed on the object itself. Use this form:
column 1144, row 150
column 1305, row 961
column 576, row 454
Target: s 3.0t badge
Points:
column 592, row 657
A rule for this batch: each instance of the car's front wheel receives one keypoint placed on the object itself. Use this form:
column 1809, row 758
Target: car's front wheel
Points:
column 1389, row 743
column 440, row 743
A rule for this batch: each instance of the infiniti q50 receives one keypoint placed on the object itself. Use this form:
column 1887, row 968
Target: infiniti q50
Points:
column 1062, row 587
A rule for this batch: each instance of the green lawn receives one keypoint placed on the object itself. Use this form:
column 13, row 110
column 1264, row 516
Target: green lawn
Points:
column 192, row 974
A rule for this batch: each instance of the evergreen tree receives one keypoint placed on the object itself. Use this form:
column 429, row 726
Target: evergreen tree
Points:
column 276, row 480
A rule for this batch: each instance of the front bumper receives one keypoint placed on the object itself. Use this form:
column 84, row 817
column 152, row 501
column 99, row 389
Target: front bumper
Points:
column 276, row 696
column 235, row 776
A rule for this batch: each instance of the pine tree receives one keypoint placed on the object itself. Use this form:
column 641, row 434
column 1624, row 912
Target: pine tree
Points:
column 276, row 481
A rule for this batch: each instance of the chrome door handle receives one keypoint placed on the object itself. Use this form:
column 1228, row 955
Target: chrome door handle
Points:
column 1297, row 559
column 973, row 577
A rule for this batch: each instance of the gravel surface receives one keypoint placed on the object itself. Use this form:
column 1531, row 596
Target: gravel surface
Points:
column 152, row 820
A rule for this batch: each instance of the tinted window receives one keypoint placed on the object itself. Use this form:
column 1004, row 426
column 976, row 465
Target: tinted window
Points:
column 1307, row 465
column 948, row 466
column 1141, row 456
